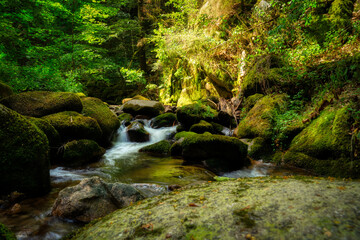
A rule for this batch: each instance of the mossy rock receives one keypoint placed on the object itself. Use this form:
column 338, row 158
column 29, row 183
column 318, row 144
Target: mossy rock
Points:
column 24, row 156
column 107, row 120
column 202, row 127
column 217, row 128
column 341, row 12
column 258, row 122
column 159, row 148
column 260, row 148
column 256, row 208
column 143, row 107
column 5, row 233
column 251, row 101
column 73, row 125
column 220, row 153
column 191, row 114
column 41, row 103
column 80, row 152
column 137, row 133
column 264, row 74
column 5, row 90
column 125, row 118
column 50, row 132
column 325, row 145
column 184, row 134
column 164, row 120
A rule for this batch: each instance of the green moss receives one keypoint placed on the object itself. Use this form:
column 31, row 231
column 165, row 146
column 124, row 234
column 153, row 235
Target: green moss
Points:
column 73, row 125
column 324, row 146
column 202, row 127
column 41, row 103
column 159, row 148
column 125, row 118
column 143, row 107
column 5, row 233
column 24, row 155
column 251, row 101
column 217, row 128
column 184, row 135
column 164, row 120
column 259, row 120
column 176, row 149
column 80, row 152
column 260, row 149
column 51, row 133
column 5, row 90
column 107, row 120
column 191, row 114
column 221, row 153
column 264, row 74
column 341, row 12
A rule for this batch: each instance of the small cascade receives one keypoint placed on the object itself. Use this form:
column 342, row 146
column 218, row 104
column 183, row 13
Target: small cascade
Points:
column 125, row 150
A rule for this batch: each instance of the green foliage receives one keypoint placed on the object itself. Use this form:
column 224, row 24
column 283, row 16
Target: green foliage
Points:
column 133, row 77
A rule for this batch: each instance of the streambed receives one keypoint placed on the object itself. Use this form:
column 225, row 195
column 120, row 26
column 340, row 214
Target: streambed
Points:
column 121, row 163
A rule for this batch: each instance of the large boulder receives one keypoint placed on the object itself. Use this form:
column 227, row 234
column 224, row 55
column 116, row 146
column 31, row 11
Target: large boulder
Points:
column 93, row 198
column 41, row 103
column 5, row 90
column 143, row 107
column 325, row 146
column 164, row 120
column 259, row 121
column 219, row 153
column 137, row 133
column 108, row 122
column 73, row 125
column 50, row 132
column 24, row 160
column 80, row 152
column 159, row 148
column 246, row 208
column 202, row 127
column 191, row 114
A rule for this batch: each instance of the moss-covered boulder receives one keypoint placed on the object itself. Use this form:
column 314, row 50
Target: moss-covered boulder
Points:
column 24, row 156
column 259, row 121
column 260, row 148
column 125, row 118
column 41, row 103
column 50, row 132
column 248, row 208
column 164, row 120
column 202, row 127
column 341, row 12
column 159, row 148
column 5, row 233
column 143, row 107
column 191, row 114
column 5, row 90
column 325, row 145
column 93, row 198
column 137, row 133
column 219, row 153
column 80, row 152
column 264, row 76
column 251, row 101
column 73, row 125
column 107, row 120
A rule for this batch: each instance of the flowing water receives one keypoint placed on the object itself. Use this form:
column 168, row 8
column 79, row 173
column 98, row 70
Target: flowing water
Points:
column 121, row 163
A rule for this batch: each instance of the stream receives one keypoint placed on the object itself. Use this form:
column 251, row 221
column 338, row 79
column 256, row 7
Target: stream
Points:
column 121, row 163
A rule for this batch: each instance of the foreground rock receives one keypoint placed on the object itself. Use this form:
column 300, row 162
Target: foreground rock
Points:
column 159, row 148
column 41, row 103
column 137, row 133
column 93, row 198
column 108, row 122
column 24, row 156
column 73, row 125
column 259, row 208
column 220, row 153
column 143, row 107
